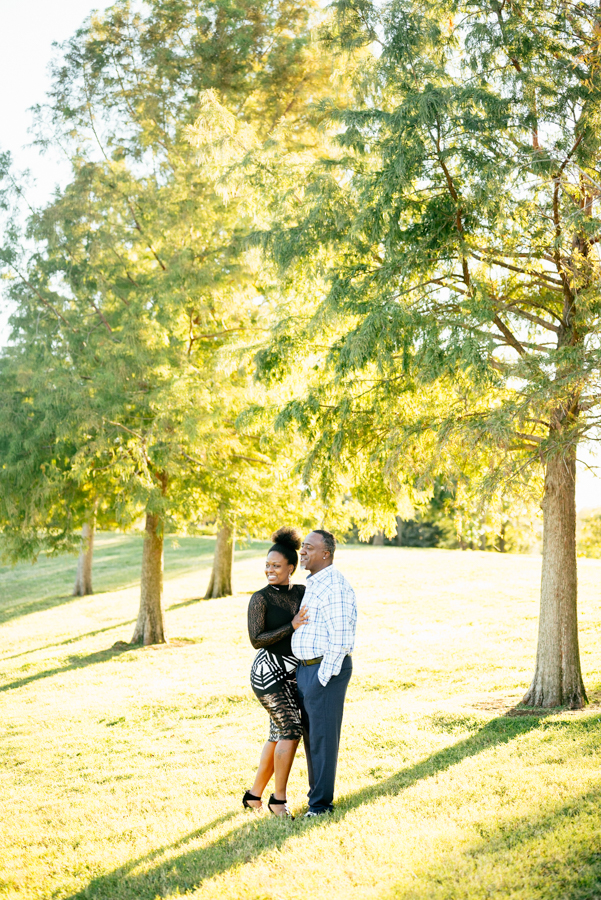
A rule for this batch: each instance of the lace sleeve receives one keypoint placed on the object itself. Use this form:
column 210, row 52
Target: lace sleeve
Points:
column 257, row 614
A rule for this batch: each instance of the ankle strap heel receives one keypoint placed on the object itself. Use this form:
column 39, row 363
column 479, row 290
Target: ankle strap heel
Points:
column 248, row 796
column 284, row 803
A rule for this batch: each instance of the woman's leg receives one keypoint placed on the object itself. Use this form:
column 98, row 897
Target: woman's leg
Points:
column 264, row 773
column 283, row 759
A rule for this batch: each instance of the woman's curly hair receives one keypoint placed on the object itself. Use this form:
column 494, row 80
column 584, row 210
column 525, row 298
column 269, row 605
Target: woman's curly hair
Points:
column 287, row 541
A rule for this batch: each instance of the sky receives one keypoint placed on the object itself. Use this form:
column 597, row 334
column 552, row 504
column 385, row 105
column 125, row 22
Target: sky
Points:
column 29, row 29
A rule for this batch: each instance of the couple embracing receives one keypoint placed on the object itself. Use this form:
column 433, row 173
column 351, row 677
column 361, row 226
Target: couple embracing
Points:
column 305, row 637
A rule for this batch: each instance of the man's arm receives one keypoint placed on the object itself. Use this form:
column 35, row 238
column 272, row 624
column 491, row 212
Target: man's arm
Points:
column 339, row 613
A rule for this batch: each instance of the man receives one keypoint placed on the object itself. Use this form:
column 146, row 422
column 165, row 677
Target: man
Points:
column 323, row 647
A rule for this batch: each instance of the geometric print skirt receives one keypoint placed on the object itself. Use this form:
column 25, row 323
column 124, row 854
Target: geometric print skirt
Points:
column 273, row 679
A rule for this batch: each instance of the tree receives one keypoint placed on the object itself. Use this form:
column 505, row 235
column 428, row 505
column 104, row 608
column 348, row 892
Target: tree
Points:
column 250, row 472
column 220, row 582
column 44, row 494
column 83, row 578
column 138, row 277
column 455, row 238
column 41, row 498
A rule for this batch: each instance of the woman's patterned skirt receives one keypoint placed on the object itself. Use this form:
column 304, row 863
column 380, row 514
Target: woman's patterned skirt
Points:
column 273, row 679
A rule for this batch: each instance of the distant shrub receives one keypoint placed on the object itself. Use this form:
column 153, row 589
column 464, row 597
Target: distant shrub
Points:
column 412, row 533
column 440, row 527
column 589, row 537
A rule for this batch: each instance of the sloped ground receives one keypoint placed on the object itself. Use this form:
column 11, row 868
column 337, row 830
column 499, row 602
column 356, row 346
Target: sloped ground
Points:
column 122, row 771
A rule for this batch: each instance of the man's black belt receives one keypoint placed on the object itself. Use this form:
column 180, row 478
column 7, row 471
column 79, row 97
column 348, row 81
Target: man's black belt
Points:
column 313, row 662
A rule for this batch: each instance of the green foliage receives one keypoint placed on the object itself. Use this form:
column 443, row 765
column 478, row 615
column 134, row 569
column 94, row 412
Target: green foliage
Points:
column 446, row 252
column 138, row 283
column 43, row 498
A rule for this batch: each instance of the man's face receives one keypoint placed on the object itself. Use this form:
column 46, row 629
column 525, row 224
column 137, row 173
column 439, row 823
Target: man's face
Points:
column 312, row 552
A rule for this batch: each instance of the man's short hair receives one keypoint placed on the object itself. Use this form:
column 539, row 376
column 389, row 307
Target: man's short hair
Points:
column 329, row 541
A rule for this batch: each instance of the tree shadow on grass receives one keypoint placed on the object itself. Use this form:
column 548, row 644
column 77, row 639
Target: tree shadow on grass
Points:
column 124, row 871
column 187, row 871
column 73, row 662
column 17, row 610
column 76, row 638
column 70, row 640
column 192, row 556
column 556, row 853
column 183, row 603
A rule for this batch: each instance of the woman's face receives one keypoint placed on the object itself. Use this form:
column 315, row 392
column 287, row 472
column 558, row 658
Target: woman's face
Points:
column 277, row 568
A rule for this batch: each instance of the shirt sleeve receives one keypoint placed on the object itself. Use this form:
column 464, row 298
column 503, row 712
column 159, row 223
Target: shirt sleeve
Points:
column 257, row 614
column 339, row 619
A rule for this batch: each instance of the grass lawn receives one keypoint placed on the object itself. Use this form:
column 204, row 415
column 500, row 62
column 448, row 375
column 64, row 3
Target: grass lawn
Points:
column 122, row 771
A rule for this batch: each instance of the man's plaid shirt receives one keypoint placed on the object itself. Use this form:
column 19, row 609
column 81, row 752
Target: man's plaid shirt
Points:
column 330, row 631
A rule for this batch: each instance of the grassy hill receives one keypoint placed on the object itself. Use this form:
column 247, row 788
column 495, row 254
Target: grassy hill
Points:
column 122, row 771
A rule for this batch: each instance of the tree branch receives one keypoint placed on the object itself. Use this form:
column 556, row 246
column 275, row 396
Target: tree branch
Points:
column 536, row 319
column 148, row 244
column 40, row 297
column 252, row 459
column 557, row 179
column 104, row 321
column 505, row 265
column 530, row 437
column 509, row 336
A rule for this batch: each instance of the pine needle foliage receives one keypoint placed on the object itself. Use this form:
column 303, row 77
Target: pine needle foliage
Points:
column 447, row 256
column 462, row 222
column 138, row 281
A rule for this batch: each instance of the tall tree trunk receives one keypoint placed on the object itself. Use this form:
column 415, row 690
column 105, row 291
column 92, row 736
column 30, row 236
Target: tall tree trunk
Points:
column 557, row 678
column 220, row 584
column 378, row 538
column 150, row 627
column 502, row 545
column 399, row 531
column 83, row 579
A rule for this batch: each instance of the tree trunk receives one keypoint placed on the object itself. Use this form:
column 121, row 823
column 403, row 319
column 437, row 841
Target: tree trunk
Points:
column 220, row 584
column 83, row 579
column 557, row 678
column 502, row 545
column 150, row 627
column 378, row 538
column 399, row 531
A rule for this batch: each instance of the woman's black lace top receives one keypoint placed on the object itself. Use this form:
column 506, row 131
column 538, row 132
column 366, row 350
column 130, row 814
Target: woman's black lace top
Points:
column 270, row 614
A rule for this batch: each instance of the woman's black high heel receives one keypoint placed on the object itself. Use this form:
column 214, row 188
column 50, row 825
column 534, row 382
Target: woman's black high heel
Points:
column 248, row 796
column 274, row 802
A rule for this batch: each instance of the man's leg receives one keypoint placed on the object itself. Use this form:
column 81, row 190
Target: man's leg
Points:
column 305, row 723
column 324, row 708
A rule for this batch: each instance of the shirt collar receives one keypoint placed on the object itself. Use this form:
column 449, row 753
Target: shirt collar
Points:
column 322, row 573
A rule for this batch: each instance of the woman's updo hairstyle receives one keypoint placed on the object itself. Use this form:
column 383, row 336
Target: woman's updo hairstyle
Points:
column 287, row 541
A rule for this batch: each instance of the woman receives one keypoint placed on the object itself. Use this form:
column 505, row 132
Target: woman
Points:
column 273, row 615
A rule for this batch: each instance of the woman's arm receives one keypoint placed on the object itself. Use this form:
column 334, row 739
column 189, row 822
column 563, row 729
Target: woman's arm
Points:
column 257, row 614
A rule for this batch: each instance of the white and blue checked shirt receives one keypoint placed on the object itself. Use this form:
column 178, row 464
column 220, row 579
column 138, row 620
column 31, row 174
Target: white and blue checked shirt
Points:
column 330, row 631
